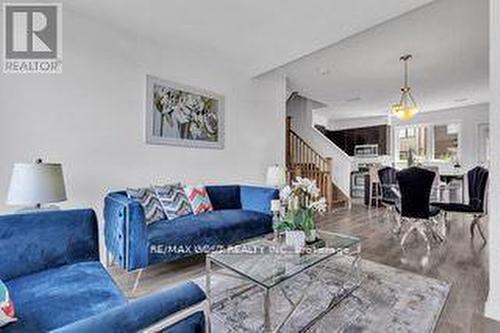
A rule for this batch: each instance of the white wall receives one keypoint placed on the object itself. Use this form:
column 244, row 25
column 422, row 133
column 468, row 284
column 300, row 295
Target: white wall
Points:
column 301, row 111
column 347, row 123
column 468, row 117
column 91, row 117
column 319, row 119
column 492, row 308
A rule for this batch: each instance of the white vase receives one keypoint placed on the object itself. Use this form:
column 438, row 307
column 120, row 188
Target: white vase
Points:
column 311, row 237
column 295, row 239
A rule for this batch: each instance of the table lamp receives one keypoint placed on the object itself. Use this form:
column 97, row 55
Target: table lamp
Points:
column 276, row 176
column 35, row 184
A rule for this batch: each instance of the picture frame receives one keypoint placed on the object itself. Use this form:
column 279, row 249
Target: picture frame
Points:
column 181, row 115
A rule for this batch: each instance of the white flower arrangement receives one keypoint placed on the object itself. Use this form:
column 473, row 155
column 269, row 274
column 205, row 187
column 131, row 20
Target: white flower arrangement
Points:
column 303, row 202
column 303, row 194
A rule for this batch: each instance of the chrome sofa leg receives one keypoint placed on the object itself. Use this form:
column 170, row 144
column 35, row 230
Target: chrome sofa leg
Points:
column 136, row 282
column 110, row 259
column 106, row 258
column 208, row 319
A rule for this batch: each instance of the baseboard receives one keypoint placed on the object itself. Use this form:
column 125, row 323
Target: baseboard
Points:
column 492, row 310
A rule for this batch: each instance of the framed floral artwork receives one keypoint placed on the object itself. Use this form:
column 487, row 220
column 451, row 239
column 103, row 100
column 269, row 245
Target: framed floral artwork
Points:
column 181, row 115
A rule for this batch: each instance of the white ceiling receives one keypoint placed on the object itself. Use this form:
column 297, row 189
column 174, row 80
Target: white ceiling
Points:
column 250, row 35
column 449, row 41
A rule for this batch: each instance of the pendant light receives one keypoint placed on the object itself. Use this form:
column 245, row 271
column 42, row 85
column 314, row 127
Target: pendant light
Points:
column 407, row 107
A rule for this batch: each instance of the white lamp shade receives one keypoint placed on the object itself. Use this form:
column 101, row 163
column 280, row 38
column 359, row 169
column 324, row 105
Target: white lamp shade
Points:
column 36, row 183
column 276, row 176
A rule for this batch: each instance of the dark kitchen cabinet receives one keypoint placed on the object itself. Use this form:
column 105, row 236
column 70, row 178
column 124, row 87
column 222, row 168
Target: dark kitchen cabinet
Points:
column 349, row 138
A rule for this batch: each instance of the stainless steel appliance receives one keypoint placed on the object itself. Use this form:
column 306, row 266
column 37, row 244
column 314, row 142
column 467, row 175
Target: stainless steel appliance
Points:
column 366, row 150
column 358, row 184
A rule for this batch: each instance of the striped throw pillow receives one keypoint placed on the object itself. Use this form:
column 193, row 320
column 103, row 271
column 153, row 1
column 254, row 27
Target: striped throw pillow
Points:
column 173, row 200
column 7, row 312
column 198, row 197
column 153, row 210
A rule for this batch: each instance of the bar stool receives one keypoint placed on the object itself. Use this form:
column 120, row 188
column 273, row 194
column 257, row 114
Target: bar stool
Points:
column 375, row 188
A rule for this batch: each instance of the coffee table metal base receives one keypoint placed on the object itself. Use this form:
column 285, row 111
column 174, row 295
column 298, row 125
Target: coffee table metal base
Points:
column 351, row 284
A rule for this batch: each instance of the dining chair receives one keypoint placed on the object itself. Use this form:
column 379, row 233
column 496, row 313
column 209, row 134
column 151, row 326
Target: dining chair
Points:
column 388, row 185
column 415, row 185
column 438, row 186
column 477, row 179
column 388, row 181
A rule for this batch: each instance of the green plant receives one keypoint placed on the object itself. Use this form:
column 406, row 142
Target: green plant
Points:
column 300, row 219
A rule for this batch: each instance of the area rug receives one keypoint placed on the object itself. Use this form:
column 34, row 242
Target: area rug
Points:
column 387, row 300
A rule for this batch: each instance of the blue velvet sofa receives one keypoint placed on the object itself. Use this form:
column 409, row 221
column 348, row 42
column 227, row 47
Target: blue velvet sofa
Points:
column 240, row 212
column 50, row 264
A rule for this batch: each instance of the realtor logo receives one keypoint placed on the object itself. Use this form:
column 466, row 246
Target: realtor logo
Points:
column 32, row 38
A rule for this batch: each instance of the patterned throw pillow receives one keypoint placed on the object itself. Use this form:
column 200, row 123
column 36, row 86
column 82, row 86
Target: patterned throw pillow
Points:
column 173, row 200
column 198, row 197
column 7, row 313
column 153, row 210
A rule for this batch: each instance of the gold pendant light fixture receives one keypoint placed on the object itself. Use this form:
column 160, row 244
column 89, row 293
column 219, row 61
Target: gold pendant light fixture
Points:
column 407, row 107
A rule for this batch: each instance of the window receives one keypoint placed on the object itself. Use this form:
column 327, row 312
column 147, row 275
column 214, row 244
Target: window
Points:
column 445, row 142
column 427, row 142
column 413, row 141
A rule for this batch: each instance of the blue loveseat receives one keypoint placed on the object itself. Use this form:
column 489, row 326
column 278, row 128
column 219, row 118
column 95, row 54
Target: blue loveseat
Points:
column 240, row 212
column 50, row 264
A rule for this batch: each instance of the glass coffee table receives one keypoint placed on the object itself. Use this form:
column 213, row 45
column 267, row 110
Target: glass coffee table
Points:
column 268, row 263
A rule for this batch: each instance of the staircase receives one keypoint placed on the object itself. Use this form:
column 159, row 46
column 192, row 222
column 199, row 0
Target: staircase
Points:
column 303, row 161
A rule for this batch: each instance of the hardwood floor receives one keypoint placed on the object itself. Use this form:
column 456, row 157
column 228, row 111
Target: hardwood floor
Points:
column 459, row 261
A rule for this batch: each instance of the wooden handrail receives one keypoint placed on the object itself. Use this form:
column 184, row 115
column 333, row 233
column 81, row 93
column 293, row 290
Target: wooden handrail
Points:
column 292, row 132
column 300, row 152
column 303, row 161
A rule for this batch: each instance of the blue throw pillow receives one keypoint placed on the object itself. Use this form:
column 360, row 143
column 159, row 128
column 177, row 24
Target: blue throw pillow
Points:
column 7, row 312
column 224, row 196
